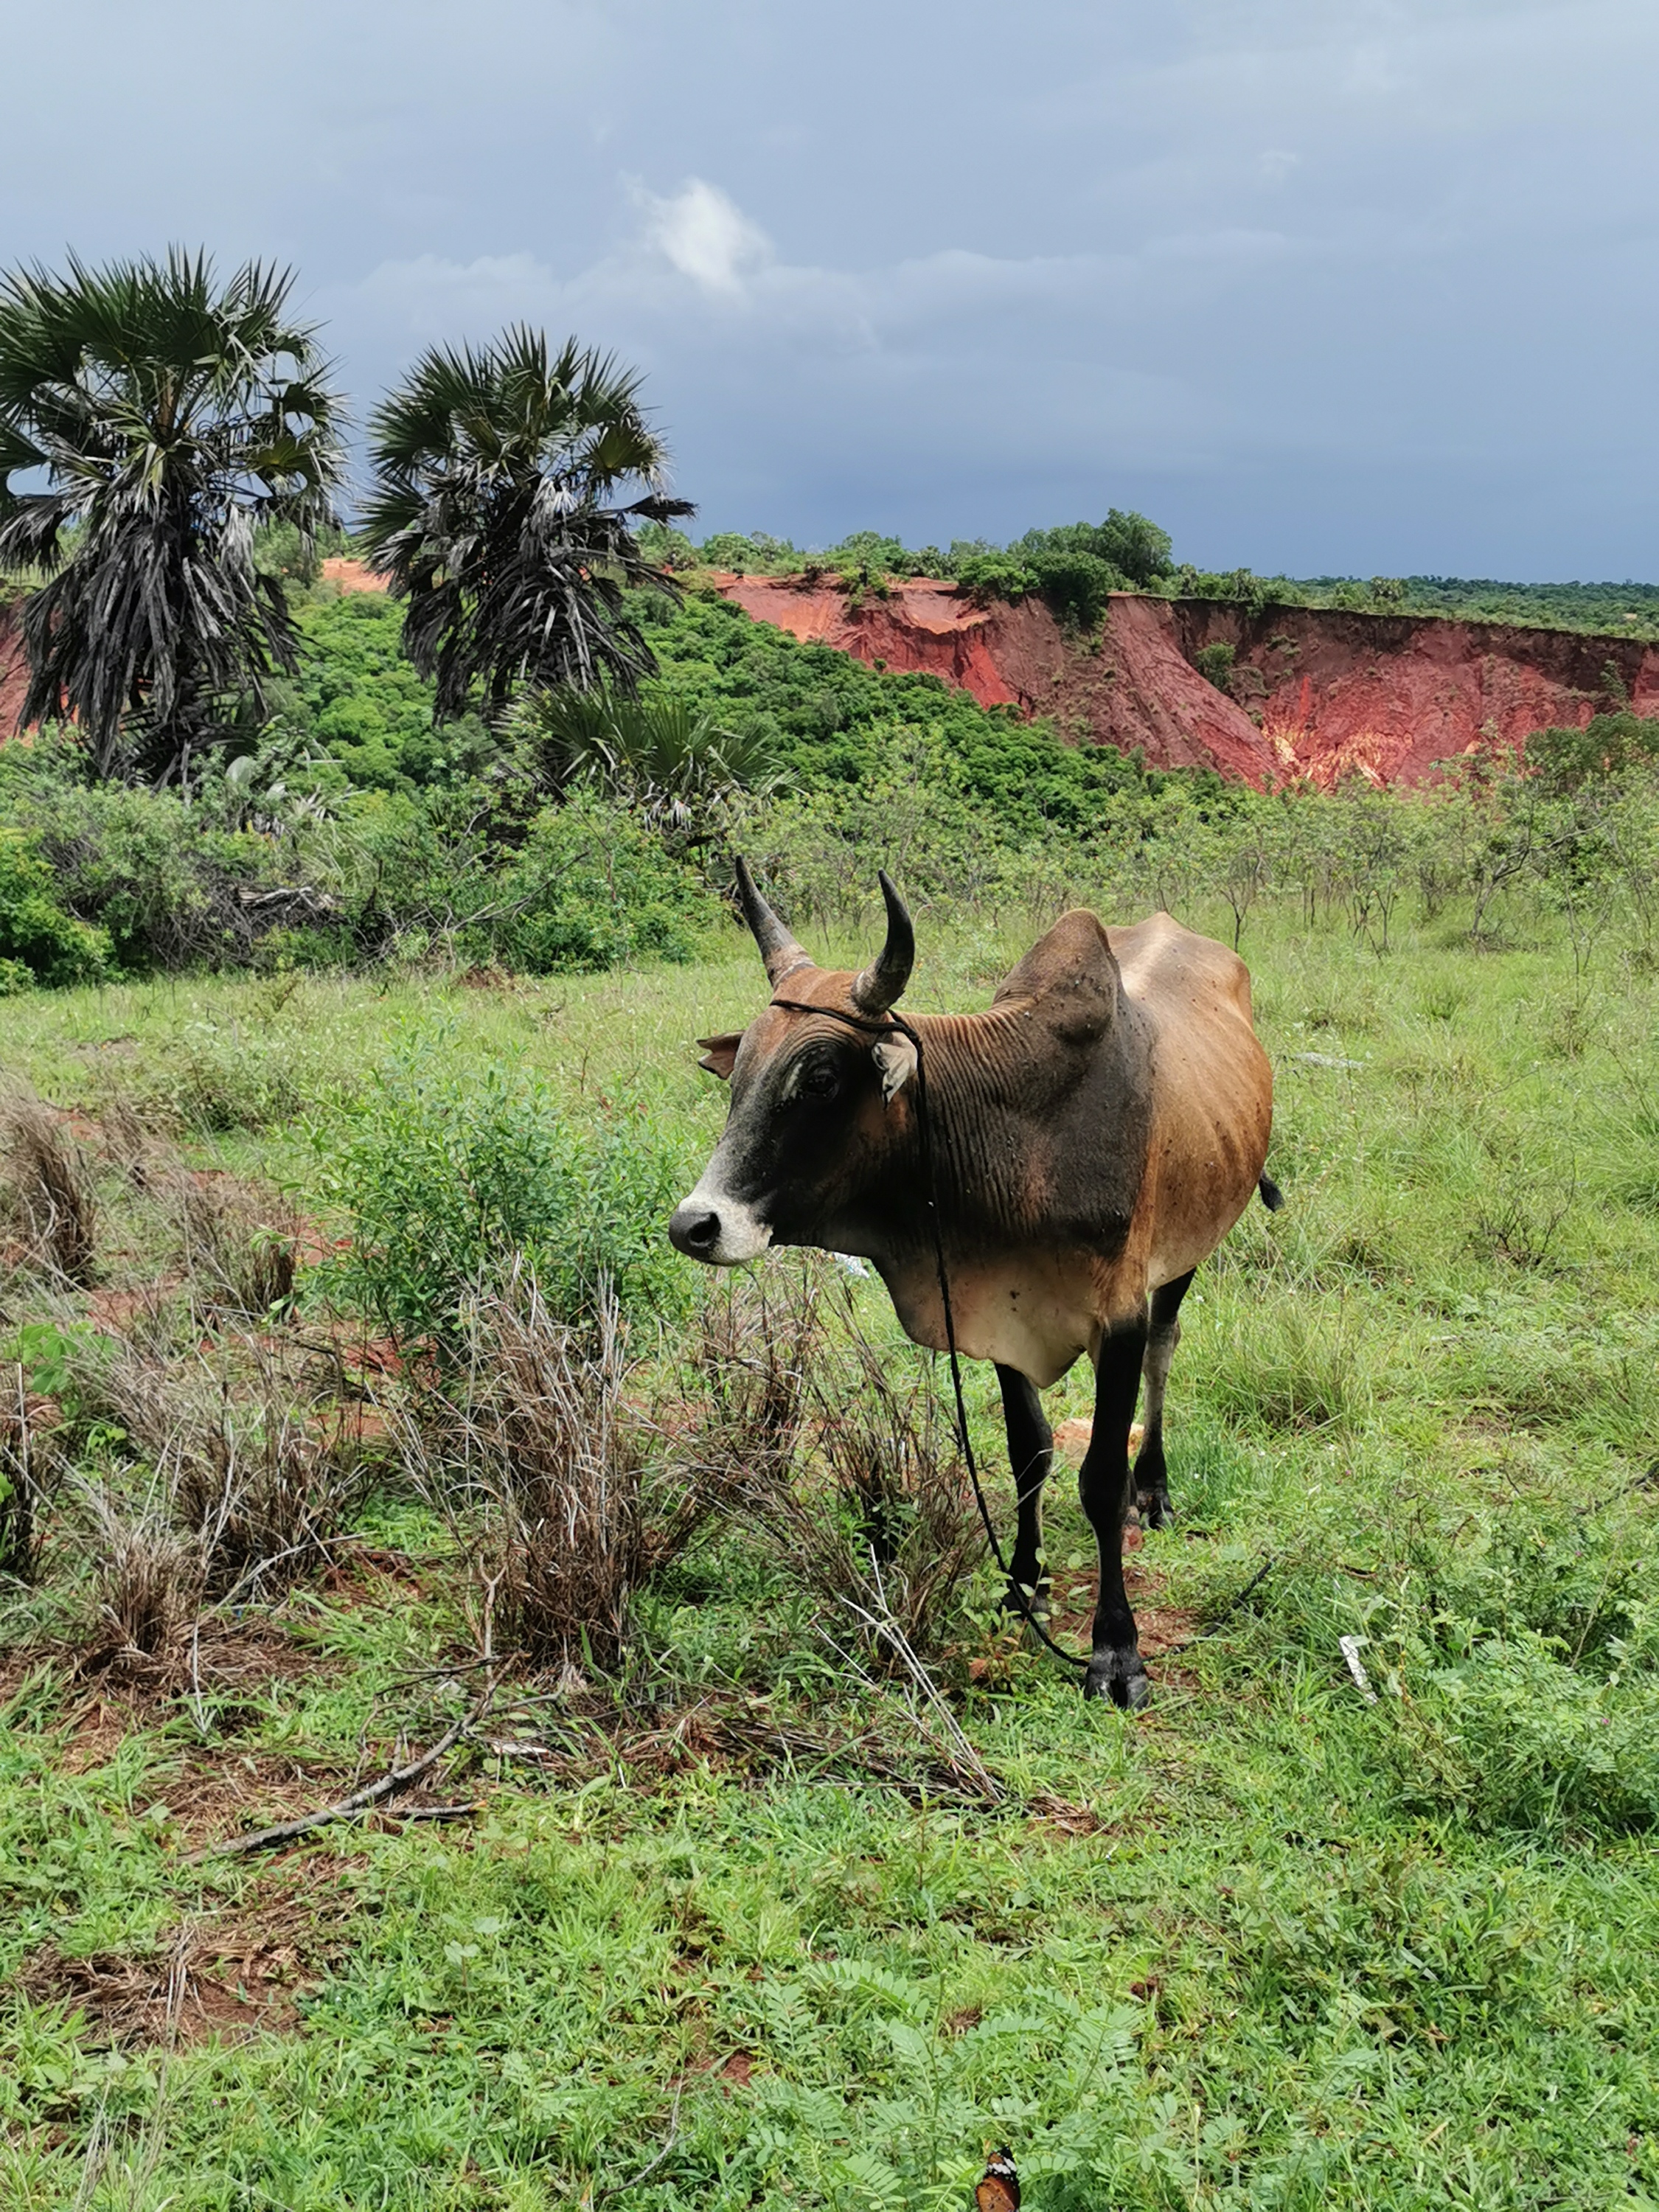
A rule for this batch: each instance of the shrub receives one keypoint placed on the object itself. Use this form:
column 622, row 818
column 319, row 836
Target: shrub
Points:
column 987, row 576
column 1135, row 551
column 590, row 889
column 216, row 1078
column 40, row 941
column 1076, row 585
column 1608, row 744
column 139, row 879
column 358, row 695
column 446, row 1189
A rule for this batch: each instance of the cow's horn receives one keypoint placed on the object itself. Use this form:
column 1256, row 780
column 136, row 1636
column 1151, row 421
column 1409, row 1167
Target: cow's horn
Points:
column 778, row 949
column 880, row 987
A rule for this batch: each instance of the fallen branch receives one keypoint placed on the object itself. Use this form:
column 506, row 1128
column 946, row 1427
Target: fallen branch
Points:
column 1238, row 1598
column 389, row 1785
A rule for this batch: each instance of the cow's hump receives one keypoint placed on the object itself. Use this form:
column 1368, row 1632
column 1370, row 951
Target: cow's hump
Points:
column 1069, row 978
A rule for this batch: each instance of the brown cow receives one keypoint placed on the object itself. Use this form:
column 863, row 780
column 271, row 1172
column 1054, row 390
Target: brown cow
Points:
column 1095, row 1134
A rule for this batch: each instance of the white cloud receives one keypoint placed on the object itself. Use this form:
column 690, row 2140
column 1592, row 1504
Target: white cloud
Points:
column 705, row 236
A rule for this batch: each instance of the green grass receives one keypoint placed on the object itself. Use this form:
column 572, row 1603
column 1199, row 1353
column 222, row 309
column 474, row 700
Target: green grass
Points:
column 1266, row 1945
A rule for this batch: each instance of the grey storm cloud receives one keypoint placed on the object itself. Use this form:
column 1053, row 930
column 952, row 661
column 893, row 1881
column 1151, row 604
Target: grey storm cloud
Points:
column 1350, row 285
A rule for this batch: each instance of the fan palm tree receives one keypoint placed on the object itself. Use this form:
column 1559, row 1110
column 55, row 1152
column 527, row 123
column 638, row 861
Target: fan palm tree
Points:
column 156, row 417
column 493, row 510
column 676, row 765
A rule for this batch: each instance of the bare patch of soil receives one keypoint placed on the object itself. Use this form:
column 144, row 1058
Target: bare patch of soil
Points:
column 236, row 1975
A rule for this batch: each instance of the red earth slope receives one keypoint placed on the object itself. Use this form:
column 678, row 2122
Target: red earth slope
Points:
column 14, row 671
column 1313, row 692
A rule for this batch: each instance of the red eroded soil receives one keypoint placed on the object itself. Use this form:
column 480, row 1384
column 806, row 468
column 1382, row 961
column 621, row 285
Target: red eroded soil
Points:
column 352, row 575
column 1387, row 695
column 1314, row 692
column 14, row 671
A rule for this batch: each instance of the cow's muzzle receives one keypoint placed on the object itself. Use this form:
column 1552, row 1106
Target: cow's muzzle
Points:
column 720, row 1231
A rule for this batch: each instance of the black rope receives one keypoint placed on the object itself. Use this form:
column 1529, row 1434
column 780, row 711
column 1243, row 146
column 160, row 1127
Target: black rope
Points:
column 896, row 1022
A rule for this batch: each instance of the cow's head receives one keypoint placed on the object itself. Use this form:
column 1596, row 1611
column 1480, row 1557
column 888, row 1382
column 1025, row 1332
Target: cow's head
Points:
column 810, row 1120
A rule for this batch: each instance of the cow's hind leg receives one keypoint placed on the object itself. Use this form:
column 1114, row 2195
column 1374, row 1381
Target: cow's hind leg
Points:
column 1031, row 1456
column 1152, row 1475
column 1114, row 1669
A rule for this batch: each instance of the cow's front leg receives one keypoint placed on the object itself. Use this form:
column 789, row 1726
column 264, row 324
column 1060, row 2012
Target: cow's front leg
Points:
column 1116, row 1670
column 1031, row 1456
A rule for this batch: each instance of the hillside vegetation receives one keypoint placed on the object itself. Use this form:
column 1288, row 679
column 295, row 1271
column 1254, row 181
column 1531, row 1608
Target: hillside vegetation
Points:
column 1073, row 567
column 355, row 831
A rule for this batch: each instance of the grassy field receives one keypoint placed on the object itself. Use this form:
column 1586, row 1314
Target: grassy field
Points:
column 761, row 1925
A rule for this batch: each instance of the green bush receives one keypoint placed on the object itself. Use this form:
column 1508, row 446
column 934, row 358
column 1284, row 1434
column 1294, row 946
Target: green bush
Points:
column 359, row 699
column 1609, row 745
column 160, row 884
column 1076, row 585
column 590, row 889
column 444, row 1188
column 987, row 576
column 1214, row 663
column 1135, row 551
column 40, row 941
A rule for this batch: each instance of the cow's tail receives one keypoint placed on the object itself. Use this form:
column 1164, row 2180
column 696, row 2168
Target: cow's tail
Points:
column 1271, row 1197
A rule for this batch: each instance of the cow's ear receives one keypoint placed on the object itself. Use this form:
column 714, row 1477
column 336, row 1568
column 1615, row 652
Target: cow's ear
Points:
column 895, row 1057
column 719, row 1054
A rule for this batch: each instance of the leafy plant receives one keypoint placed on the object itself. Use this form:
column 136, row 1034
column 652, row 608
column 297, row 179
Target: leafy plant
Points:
column 590, row 888
column 446, row 1189
column 170, row 415
column 672, row 762
column 40, row 942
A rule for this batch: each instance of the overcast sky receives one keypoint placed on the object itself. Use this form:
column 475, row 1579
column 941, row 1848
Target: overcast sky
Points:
column 1321, row 285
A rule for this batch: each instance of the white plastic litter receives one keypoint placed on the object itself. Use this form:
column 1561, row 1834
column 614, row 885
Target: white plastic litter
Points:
column 1349, row 1647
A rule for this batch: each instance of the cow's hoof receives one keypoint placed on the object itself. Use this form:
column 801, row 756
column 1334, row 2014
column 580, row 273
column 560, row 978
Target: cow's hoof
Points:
column 1154, row 1509
column 1118, row 1678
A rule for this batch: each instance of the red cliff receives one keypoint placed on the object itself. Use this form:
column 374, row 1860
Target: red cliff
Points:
column 1315, row 692
column 13, row 670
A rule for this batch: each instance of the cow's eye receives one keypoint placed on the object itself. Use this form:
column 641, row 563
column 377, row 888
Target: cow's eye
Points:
column 819, row 1079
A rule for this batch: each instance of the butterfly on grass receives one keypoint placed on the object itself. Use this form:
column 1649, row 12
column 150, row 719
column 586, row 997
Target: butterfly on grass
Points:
column 999, row 2191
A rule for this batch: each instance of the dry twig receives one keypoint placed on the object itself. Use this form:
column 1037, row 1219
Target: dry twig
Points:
column 389, row 1785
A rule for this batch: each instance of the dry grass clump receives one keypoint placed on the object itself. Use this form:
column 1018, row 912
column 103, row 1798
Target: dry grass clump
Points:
column 48, row 1186
column 240, row 1244
column 539, row 1451
column 840, row 1454
column 267, row 1490
column 763, row 1337
column 555, row 1477
column 879, row 1520
column 570, row 1493
column 227, row 1484
column 148, row 1578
